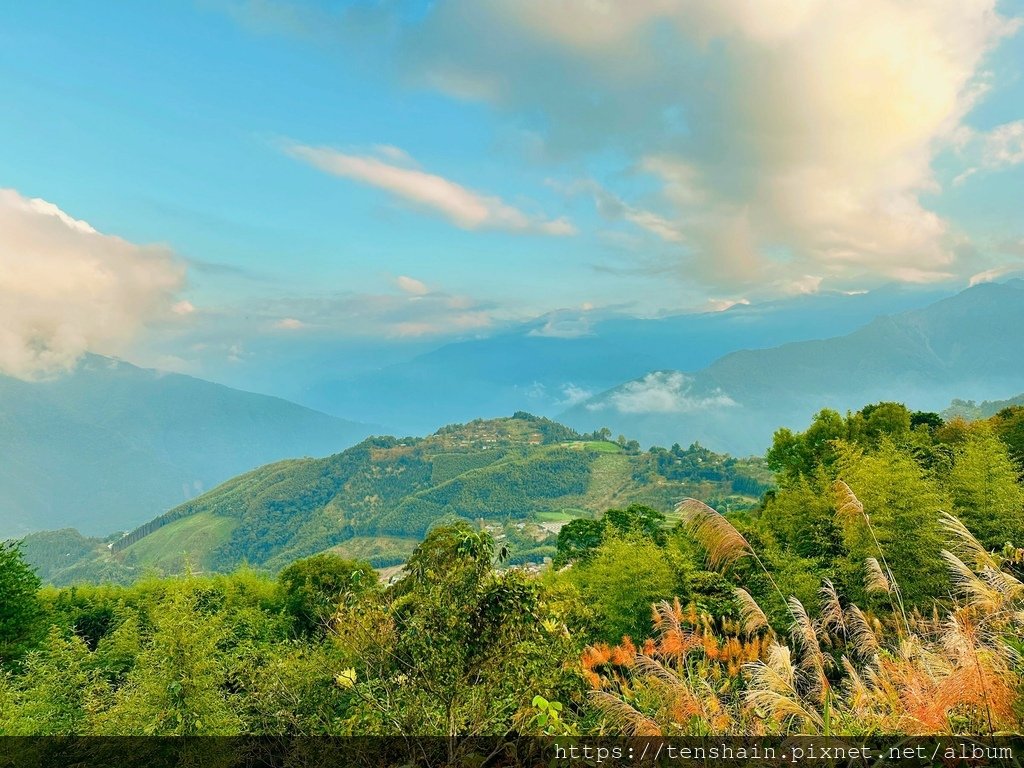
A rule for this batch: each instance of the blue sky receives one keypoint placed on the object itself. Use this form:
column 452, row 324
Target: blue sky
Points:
column 401, row 172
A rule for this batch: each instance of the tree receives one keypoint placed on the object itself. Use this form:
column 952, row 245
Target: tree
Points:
column 983, row 486
column 314, row 586
column 20, row 611
column 1009, row 426
column 802, row 519
column 885, row 420
column 931, row 421
column 900, row 521
column 795, row 455
column 578, row 539
column 177, row 686
column 623, row 579
column 453, row 649
column 50, row 695
column 637, row 518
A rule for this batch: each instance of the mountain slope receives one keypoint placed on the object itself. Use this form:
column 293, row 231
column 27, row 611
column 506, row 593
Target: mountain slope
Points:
column 377, row 499
column 110, row 444
column 964, row 345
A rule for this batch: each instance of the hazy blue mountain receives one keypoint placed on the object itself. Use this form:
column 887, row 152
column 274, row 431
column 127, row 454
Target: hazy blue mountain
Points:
column 555, row 361
column 110, row 445
column 966, row 345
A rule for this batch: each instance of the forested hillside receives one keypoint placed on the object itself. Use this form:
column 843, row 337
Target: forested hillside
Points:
column 968, row 409
column 377, row 500
column 877, row 590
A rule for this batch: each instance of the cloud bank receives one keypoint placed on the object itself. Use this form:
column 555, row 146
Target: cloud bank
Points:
column 661, row 392
column 66, row 289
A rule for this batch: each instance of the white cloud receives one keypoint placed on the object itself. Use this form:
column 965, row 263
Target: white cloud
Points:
column 1004, row 145
column 661, row 392
column 352, row 315
column 441, row 324
column 790, row 137
column 995, row 273
column 574, row 395
column 463, row 207
column 613, row 208
column 411, row 285
column 720, row 305
column 66, row 289
column 394, row 154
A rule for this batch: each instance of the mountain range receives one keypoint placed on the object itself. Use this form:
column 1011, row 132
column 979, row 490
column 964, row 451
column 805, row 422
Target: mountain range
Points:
column 109, row 445
column 553, row 362
column 967, row 345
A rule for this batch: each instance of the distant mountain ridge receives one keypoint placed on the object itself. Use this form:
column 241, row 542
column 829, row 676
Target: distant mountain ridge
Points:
column 110, row 444
column 964, row 345
column 547, row 365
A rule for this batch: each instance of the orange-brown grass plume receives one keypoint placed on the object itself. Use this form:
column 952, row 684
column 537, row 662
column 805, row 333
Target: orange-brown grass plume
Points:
column 951, row 672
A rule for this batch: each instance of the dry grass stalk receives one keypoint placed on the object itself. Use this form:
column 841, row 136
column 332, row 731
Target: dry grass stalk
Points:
column 722, row 542
column 752, row 618
column 875, row 579
column 848, row 506
column 964, row 545
column 832, row 617
column 651, row 667
column 623, row 716
column 978, row 592
column 860, row 636
column 772, row 689
column 928, row 676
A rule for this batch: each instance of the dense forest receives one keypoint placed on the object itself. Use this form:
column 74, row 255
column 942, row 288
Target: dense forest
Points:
column 878, row 588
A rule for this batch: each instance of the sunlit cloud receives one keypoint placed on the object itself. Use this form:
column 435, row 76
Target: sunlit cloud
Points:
column 789, row 138
column 411, row 285
column 66, row 289
column 574, row 395
column 461, row 206
column 990, row 275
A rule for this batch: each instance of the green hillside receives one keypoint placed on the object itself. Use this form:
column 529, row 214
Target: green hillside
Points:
column 968, row 409
column 518, row 477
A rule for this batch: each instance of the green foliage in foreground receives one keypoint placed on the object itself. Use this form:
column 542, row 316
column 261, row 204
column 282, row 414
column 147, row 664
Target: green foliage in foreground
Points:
column 19, row 608
column 456, row 646
column 905, row 469
column 461, row 644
